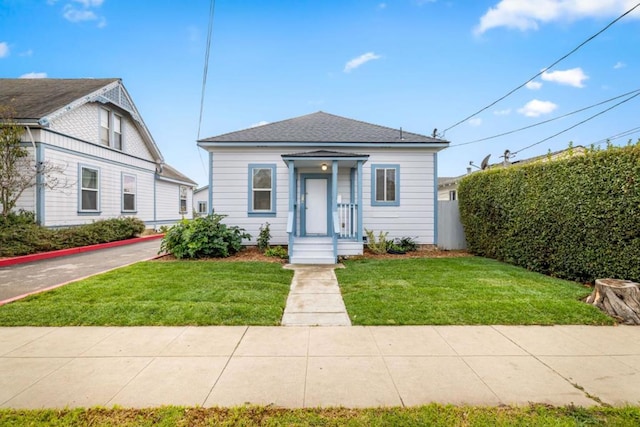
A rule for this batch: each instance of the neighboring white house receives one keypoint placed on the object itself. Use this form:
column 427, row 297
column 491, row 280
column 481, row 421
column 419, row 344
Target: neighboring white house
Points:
column 111, row 164
column 319, row 180
column 201, row 201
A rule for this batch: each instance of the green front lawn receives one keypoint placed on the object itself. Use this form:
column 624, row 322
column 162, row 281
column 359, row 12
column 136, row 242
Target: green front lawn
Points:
column 429, row 415
column 162, row 293
column 460, row 291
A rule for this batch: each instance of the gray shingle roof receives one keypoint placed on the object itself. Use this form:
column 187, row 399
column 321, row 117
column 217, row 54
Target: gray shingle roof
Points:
column 322, row 127
column 172, row 173
column 35, row 98
column 324, row 154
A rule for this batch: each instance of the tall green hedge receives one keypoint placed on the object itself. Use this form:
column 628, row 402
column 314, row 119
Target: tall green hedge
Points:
column 577, row 218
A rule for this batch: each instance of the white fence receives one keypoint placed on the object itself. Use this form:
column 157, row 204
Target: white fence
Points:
column 450, row 232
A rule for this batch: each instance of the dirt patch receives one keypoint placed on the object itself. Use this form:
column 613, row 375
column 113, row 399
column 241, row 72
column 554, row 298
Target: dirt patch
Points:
column 251, row 253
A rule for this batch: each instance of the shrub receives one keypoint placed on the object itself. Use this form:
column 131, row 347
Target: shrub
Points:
column 406, row 244
column 20, row 235
column 277, row 251
column 203, row 237
column 575, row 218
column 377, row 245
column 264, row 237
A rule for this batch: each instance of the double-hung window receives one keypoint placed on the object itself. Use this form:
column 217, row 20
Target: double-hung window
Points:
column 110, row 129
column 183, row 199
column 262, row 189
column 89, row 189
column 129, row 191
column 202, row 207
column 385, row 185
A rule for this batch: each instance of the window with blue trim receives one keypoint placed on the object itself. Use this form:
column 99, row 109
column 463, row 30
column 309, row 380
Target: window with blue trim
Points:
column 385, row 185
column 262, row 189
column 129, row 192
column 89, row 189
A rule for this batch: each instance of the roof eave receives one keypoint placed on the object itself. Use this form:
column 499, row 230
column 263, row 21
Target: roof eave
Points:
column 213, row 144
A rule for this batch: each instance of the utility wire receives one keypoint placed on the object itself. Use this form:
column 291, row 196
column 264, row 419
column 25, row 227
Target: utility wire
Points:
column 206, row 63
column 544, row 69
column 204, row 75
column 544, row 121
column 618, row 135
column 577, row 124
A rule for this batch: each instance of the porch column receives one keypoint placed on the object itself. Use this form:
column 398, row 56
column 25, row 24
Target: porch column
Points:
column 359, row 201
column 335, row 222
column 291, row 219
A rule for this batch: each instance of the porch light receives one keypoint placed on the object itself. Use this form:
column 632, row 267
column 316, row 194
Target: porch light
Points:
column 324, row 167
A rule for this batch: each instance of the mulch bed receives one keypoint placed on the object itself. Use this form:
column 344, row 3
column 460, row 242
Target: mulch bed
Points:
column 251, row 253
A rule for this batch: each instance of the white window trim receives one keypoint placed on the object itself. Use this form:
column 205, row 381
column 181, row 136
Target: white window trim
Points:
column 180, row 199
column 111, row 131
column 135, row 193
column 82, row 189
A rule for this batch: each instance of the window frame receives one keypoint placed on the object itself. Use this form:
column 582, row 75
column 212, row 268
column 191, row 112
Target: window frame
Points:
column 82, row 189
column 271, row 212
column 374, row 171
column 201, row 204
column 111, row 142
column 123, row 208
column 453, row 195
column 182, row 211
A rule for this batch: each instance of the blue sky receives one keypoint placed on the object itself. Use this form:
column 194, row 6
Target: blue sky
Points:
column 415, row 64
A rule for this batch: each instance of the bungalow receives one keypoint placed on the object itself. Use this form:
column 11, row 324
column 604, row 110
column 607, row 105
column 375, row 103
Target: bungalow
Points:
column 320, row 180
column 93, row 132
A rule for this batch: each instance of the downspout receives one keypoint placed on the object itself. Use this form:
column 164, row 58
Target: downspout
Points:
column 39, row 183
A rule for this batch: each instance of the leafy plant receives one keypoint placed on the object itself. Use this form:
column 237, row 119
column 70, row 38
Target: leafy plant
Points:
column 377, row 245
column 277, row 251
column 263, row 237
column 406, row 244
column 203, row 237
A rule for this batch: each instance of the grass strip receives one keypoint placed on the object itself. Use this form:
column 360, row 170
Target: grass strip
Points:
column 460, row 291
column 430, row 415
column 168, row 293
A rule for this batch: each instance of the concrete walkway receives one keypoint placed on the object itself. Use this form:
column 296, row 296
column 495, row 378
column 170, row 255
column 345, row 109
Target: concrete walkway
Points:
column 315, row 298
column 321, row 366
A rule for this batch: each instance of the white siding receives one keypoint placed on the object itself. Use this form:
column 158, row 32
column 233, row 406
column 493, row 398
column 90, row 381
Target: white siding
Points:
column 62, row 204
column 84, row 123
column 200, row 196
column 168, row 203
column 414, row 217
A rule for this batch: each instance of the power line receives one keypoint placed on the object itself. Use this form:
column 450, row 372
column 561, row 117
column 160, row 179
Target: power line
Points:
column 577, row 124
column 618, row 135
column 544, row 121
column 544, row 69
column 206, row 62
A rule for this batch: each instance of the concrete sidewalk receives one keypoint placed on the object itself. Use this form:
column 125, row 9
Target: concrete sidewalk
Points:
column 319, row 366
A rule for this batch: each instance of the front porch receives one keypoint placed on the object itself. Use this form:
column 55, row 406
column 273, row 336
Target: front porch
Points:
column 325, row 206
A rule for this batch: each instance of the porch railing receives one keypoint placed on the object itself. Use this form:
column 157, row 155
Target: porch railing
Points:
column 348, row 220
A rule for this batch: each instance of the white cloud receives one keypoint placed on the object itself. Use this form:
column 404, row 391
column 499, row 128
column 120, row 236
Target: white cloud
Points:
column 382, row 6
column 619, row 65
column 535, row 108
column 260, row 123
column 82, row 11
column 573, row 77
column 475, row 122
column 533, row 85
column 504, row 112
column 528, row 15
column 26, row 53
column 4, row 49
column 34, row 76
column 362, row 59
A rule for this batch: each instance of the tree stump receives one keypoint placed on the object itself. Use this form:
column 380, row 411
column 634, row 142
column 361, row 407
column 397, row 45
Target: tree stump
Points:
column 618, row 298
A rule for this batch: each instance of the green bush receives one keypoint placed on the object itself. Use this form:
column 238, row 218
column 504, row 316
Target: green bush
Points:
column 20, row 235
column 277, row 251
column 203, row 237
column 377, row 245
column 575, row 218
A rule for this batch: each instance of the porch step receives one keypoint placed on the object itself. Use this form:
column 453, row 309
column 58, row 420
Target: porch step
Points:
column 312, row 250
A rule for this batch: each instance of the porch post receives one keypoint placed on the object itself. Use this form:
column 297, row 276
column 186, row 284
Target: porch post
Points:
column 360, row 205
column 291, row 219
column 335, row 222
